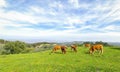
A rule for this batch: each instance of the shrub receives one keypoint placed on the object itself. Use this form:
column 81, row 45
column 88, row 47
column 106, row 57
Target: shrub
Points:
column 14, row 47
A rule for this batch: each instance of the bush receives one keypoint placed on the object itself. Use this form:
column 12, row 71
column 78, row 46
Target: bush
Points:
column 88, row 42
column 103, row 43
column 2, row 41
column 14, row 47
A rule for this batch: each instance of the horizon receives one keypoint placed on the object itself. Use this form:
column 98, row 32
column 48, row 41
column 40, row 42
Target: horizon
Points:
column 37, row 41
column 60, row 20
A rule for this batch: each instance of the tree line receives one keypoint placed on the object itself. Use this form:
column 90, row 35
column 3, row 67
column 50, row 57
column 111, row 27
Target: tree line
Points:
column 97, row 42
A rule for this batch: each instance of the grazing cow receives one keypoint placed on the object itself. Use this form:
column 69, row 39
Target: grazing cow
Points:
column 63, row 49
column 58, row 47
column 97, row 47
column 74, row 48
column 87, row 45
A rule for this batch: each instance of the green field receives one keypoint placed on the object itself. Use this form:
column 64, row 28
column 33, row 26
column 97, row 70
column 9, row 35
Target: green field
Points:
column 57, row 62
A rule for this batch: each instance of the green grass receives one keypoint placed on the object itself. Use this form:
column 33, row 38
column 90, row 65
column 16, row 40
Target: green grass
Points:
column 57, row 62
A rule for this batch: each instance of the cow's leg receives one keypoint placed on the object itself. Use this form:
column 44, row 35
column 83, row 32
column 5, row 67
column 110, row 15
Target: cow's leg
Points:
column 93, row 51
column 75, row 50
column 101, row 50
column 64, row 51
column 90, row 51
column 71, row 49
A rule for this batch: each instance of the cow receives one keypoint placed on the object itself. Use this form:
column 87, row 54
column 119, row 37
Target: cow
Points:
column 74, row 48
column 58, row 47
column 63, row 49
column 87, row 45
column 98, row 47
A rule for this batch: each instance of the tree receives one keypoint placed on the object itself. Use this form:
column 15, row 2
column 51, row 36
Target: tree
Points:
column 88, row 42
column 2, row 41
column 14, row 47
column 103, row 43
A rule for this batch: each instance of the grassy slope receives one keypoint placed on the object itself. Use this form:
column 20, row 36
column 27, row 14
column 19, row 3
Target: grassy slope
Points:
column 57, row 62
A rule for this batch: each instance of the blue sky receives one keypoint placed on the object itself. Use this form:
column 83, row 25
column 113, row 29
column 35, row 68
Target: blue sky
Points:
column 60, row 20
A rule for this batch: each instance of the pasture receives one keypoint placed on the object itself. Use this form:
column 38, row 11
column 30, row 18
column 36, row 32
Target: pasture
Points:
column 57, row 62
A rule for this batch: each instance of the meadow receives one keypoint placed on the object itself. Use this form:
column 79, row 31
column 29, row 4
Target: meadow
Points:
column 57, row 62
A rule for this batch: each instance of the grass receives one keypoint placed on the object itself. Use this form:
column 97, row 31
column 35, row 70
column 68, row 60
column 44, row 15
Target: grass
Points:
column 57, row 62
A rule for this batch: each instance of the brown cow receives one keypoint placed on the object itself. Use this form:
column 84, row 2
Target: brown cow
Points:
column 97, row 47
column 74, row 48
column 58, row 47
column 87, row 45
column 63, row 49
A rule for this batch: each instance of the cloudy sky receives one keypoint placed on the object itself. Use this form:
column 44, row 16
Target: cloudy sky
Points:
column 60, row 20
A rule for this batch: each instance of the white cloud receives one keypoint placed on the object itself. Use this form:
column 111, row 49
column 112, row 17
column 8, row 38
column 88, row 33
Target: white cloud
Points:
column 56, row 5
column 75, row 3
column 112, row 27
column 108, row 12
column 56, row 8
column 62, row 35
column 28, row 17
column 73, row 20
column 3, row 3
column 17, row 16
column 102, row 13
column 37, row 10
column 5, row 23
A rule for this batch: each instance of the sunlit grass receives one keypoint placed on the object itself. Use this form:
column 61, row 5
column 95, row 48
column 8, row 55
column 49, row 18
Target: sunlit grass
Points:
column 57, row 62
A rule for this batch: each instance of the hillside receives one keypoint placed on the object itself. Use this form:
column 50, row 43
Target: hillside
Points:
column 114, row 43
column 57, row 62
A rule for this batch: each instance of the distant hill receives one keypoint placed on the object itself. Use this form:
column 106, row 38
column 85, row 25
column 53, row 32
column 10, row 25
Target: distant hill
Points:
column 114, row 43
